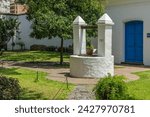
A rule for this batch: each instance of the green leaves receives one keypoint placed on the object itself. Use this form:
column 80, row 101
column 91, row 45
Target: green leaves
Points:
column 51, row 18
column 9, row 88
column 54, row 17
column 7, row 29
column 112, row 88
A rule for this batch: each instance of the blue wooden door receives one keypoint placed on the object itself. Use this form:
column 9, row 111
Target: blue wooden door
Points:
column 134, row 42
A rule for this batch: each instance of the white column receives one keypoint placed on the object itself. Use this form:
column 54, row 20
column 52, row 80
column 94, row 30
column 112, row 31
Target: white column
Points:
column 79, row 37
column 105, row 24
column 83, row 42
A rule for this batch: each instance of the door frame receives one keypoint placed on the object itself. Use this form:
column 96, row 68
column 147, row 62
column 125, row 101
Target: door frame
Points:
column 124, row 36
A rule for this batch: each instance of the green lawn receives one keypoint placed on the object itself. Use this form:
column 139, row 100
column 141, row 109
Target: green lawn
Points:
column 31, row 56
column 41, row 89
column 140, row 89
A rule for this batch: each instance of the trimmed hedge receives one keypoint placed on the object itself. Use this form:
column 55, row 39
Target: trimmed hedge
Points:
column 9, row 88
column 38, row 47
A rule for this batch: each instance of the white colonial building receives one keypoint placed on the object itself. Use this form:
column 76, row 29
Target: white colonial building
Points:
column 131, row 32
column 8, row 8
column 25, row 30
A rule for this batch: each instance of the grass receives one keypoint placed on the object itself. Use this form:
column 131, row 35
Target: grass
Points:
column 140, row 89
column 46, row 89
column 34, row 56
column 43, row 89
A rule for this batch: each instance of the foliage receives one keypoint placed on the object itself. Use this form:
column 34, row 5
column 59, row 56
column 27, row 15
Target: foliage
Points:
column 42, row 89
column 7, row 29
column 89, row 44
column 90, row 47
column 9, row 88
column 36, row 47
column 54, row 17
column 112, row 88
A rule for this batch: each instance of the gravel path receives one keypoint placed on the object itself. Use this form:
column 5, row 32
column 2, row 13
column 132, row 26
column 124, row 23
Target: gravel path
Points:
column 82, row 92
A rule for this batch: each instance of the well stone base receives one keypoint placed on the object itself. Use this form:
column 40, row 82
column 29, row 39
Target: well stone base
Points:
column 91, row 67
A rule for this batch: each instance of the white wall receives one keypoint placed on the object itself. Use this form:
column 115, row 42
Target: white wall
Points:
column 25, row 28
column 128, row 12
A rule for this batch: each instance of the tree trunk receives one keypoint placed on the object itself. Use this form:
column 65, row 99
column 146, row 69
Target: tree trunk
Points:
column 61, row 51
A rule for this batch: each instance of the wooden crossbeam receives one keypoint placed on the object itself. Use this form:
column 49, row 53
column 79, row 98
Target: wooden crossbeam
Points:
column 89, row 27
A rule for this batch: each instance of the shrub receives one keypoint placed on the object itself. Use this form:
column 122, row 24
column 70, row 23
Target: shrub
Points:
column 112, row 88
column 9, row 88
column 52, row 48
column 38, row 47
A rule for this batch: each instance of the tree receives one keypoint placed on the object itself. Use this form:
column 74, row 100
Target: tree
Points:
column 51, row 18
column 7, row 30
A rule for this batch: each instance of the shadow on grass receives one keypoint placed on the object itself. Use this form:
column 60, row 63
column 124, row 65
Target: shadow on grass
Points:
column 30, row 56
column 9, row 71
column 27, row 94
column 43, row 65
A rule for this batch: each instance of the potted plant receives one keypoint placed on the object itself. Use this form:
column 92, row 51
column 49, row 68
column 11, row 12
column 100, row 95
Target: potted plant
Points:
column 89, row 48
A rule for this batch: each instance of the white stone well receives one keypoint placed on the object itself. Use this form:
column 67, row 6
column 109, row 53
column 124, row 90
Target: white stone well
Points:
column 92, row 66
